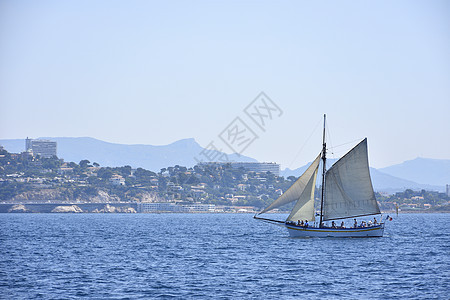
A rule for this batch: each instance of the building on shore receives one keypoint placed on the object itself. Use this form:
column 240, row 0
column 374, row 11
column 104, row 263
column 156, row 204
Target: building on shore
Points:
column 448, row 189
column 173, row 207
column 259, row 167
column 44, row 148
column 157, row 207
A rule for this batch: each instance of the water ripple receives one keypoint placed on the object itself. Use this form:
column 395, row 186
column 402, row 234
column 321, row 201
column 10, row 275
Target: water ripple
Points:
column 48, row 256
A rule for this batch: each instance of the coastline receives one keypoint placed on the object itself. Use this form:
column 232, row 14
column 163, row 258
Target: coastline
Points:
column 127, row 207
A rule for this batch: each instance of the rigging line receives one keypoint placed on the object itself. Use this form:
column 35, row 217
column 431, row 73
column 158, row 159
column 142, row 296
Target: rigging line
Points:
column 334, row 152
column 303, row 146
column 348, row 143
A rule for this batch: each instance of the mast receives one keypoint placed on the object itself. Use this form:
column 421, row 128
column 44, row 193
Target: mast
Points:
column 324, row 154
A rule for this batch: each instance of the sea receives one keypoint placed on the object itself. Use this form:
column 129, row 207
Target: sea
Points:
column 216, row 256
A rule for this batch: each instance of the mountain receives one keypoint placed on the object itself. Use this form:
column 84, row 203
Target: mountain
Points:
column 387, row 183
column 424, row 170
column 183, row 152
column 382, row 182
column 417, row 174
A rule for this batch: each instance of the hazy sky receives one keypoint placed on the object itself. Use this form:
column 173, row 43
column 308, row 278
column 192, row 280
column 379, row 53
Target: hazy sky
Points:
column 153, row 72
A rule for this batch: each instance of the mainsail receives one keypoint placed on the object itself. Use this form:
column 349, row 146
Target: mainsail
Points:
column 348, row 188
column 301, row 191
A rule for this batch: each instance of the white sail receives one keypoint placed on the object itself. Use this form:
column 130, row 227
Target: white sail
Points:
column 304, row 208
column 348, row 188
column 296, row 190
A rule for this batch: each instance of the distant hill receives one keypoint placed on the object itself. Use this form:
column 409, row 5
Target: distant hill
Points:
column 382, row 182
column 420, row 173
column 182, row 152
column 424, row 170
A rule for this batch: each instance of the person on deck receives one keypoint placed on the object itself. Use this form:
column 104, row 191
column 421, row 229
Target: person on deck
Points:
column 306, row 223
column 375, row 221
column 333, row 225
column 342, row 224
column 355, row 224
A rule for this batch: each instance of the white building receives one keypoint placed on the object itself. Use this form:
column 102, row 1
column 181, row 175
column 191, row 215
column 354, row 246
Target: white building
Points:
column 197, row 207
column 44, row 148
column 158, row 207
column 117, row 180
column 258, row 167
column 172, row 207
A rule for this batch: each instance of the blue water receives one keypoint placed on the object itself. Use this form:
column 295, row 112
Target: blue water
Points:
column 221, row 256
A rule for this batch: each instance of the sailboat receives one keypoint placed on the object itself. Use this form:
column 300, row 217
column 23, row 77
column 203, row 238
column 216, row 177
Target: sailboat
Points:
column 347, row 193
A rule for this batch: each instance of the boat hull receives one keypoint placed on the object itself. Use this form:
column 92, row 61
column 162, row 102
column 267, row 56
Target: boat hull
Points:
column 373, row 231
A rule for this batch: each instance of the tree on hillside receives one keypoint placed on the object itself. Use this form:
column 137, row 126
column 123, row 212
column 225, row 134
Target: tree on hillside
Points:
column 105, row 173
column 144, row 174
column 72, row 164
column 292, row 178
column 84, row 163
column 125, row 171
column 52, row 163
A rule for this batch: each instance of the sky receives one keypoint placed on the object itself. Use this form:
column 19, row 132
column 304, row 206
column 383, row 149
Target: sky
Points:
column 154, row 72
